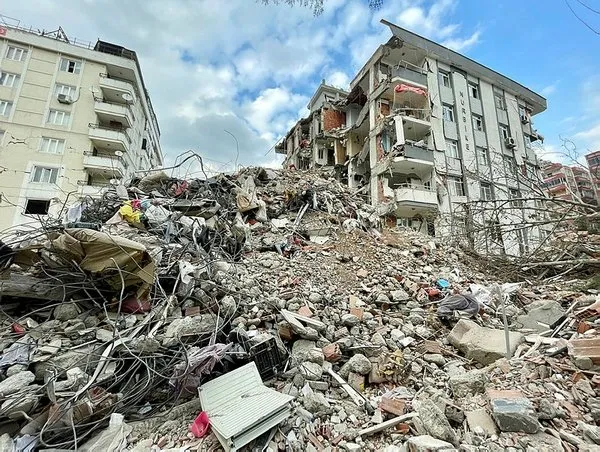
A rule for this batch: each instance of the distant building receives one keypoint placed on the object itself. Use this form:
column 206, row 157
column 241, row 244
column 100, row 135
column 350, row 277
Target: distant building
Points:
column 593, row 161
column 571, row 183
column 426, row 131
column 73, row 118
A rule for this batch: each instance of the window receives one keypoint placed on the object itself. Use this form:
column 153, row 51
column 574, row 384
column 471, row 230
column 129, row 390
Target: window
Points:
column 59, row 118
column 486, row 192
column 483, row 157
column 452, row 149
column 44, row 175
column 504, row 132
column 500, row 101
column 510, row 165
column 445, row 79
column 320, row 154
column 456, row 186
column 527, row 141
column 478, row 123
column 144, row 144
column 5, row 108
column 67, row 90
column 7, row 79
column 52, row 146
column 16, row 53
column 515, row 195
column 37, row 207
column 448, row 113
column 72, row 66
column 474, row 90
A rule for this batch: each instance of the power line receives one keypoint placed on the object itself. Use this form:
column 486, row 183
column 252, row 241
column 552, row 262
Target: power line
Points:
column 588, row 7
column 580, row 19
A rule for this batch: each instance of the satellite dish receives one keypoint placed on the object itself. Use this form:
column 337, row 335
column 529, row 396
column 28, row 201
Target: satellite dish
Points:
column 127, row 97
column 119, row 153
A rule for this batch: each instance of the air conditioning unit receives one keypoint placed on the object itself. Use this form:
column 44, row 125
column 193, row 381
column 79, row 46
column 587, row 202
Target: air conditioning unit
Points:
column 510, row 143
column 524, row 119
column 64, row 99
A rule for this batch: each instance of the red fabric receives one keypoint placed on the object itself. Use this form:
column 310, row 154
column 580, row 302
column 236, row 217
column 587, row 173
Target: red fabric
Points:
column 403, row 88
column 133, row 305
column 200, row 425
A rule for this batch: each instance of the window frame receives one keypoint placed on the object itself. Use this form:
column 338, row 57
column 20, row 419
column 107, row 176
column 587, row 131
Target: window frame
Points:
column 59, row 89
column 485, row 188
column 50, row 171
column 475, row 118
column 320, row 153
column 57, row 143
column 456, row 186
column 448, row 108
column 452, row 144
column 500, row 101
column 16, row 50
column 7, row 76
column 483, row 158
column 515, row 193
column 76, row 66
column 445, row 79
column 474, row 90
column 46, row 201
column 503, row 128
column 5, row 107
column 65, row 115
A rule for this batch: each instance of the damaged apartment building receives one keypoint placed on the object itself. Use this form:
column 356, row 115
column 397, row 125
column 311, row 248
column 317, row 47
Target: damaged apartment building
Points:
column 430, row 135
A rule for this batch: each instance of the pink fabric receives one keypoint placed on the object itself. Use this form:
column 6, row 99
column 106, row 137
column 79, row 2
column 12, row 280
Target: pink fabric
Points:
column 403, row 88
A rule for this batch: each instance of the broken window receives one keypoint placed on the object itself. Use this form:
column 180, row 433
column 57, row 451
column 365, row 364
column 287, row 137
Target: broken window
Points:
column 456, row 186
column 478, row 123
column 72, row 66
column 445, row 79
column 486, row 192
column 500, row 101
column 504, row 132
column 474, row 90
column 452, row 149
column 37, row 206
column 448, row 113
column 483, row 157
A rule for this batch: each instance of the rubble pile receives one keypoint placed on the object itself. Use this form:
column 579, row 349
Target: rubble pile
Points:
column 276, row 301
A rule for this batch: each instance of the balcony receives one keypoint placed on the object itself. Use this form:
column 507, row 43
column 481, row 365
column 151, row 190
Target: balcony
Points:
column 117, row 90
column 107, row 137
column 415, row 199
column 413, row 159
column 415, row 123
column 407, row 72
column 104, row 164
column 111, row 112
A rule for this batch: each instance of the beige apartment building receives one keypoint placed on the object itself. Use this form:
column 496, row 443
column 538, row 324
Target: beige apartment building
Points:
column 73, row 119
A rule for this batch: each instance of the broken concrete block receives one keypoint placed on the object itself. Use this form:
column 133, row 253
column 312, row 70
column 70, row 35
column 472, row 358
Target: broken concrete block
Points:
column 545, row 313
column 311, row 371
column 350, row 320
column 469, row 383
column 359, row 364
column 202, row 325
column 512, row 411
column 435, row 422
column 304, row 350
column 392, row 405
column 484, row 345
column 16, row 382
column 399, row 296
column 6, row 443
column 426, row 443
column 356, row 381
column 65, row 311
column 481, row 419
column 332, row 353
column 590, row 432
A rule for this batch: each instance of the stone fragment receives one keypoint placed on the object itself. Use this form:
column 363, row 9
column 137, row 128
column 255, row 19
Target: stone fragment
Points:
column 352, row 447
column 399, row 296
column 332, row 353
column 311, row 371
column 65, row 311
column 303, row 351
column 435, row 358
column 392, row 405
column 18, row 405
column 469, row 383
column 359, row 364
column 590, row 432
column 377, row 339
column 435, row 422
column 382, row 299
column 358, row 312
column 547, row 410
column 315, row 297
column 541, row 442
column 350, row 320
column 305, row 311
column 362, row 273
column 357, row 381
column 583, row 362
column 397, row 335
column 512, row 411
column 15, row 369
column 16, row 382
column 484, row 345
column 105, row 336
column 313, row 401
column 481, row 419
column 6, row 443
column 202, row 325
column 544, row 312
column 426, row 443
column 228, row 307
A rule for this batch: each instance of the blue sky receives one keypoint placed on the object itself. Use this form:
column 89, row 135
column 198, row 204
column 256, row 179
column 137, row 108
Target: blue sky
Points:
column 250, row 69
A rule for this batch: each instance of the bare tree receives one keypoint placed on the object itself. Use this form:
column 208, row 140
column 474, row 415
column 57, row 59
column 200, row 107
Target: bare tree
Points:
column 317, row 6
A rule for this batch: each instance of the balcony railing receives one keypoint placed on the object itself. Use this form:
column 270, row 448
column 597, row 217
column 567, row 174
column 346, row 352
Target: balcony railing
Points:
column 410, row 72
column 416, row 194
column 414, row 152
column 110, row 128
column 423, row 115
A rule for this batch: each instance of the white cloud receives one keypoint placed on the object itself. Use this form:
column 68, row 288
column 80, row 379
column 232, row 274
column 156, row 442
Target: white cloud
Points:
column 250, row 69
column 462, row 44
column 549, row 89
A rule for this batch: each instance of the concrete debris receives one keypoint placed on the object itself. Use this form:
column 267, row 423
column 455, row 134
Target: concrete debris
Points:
column 196, row 278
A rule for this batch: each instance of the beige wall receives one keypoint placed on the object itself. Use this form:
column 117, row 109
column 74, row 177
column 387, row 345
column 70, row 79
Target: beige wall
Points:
column 32, row 97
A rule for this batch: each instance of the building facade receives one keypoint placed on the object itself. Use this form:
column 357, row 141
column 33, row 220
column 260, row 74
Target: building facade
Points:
column 571, row 183
column 73, row 119
column 440, row 143
column 593, row 162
